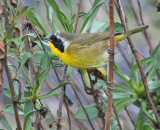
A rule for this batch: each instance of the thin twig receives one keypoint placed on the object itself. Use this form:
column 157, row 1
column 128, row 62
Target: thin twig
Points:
column 124, row 56
column 99, row 108
column 30, row 60
column 67, row 108
column 36, row 32
column 83, row 108
column 10, row 80
column 45, row 3
column 142, row 22
column 78, row 122
column 145, row 32
column 116, row 114
column 130, row 118
column 144, row 79
column 2, row 56
column 59, row 112
column 134, row 12
column 77, row 16
column 111, row 63
column 79, row 87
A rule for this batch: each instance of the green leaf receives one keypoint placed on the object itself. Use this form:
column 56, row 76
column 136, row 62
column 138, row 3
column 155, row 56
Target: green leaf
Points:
column 47, row 118
column 120, row 88
column 98, row 26
column 140, row 119
column 59, row 14
column 18, row 15
column 34, row 20
column 91, row 15
column 56, row 64
column 80, row 15
column 85, row 77
column 146, row 126
column 54, row 27
column 27, row 118
column 38, row 56
column 21, row 13
column 152, row 72
column 38, row 105
column 68, row 4
column 28, row 35
column 27, row 108
column 45, row 61
column 143, row 62
column 144, row 108
column 25, row 73
column 114, row 124
column 5, row 122
column 153, row 85
column 118, row 28
column 7, row 92
column 40, row 81
column 69, row 71
column 91, row 110
column 47, row 95
column 66, row 22
column 9, row 108
column 9, row 32
column 52, row 92
column 156, row 51
column 122, row 100
column 100, row 84
column 17, row 41
column 24, row 58
column 124, row 77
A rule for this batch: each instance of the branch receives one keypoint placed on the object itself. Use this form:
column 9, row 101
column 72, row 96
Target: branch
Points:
column 142, row 22
column 134, row 51
column 116, row 114
column 83, row 109
column 2, row 55
column 59, row 111
column 111, row 63
column 77, row 16
column 10, row 80
column 130, row 118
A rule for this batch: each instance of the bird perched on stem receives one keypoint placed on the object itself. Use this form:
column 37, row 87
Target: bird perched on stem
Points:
column 86, row 50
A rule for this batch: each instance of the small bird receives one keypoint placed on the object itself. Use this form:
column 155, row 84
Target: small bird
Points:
column 86, row 50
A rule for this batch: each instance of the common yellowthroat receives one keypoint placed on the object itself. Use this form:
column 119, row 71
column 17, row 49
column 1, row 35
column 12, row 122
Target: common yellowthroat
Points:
column 86, row 50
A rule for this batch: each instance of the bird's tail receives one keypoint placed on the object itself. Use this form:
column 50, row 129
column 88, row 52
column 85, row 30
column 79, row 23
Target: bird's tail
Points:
column 123, row 35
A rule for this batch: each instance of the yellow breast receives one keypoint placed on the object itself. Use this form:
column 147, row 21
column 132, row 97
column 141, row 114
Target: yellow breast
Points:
column 82, row 57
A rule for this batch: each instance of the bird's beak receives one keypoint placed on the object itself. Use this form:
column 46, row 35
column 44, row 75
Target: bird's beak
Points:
column 45, row 38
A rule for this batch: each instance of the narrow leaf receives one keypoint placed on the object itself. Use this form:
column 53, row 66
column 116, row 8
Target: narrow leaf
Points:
column 27, row 117
column 34, row 20
column 52, row 92
column 86, row 78
column 91, row 111
column 91, row 15
column 98, row 26
column 9, row 108
column 5, row 122
column 69, row 71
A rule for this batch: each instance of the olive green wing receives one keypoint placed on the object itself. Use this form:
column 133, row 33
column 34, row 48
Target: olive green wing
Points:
column 84, row 39
column 88, row 39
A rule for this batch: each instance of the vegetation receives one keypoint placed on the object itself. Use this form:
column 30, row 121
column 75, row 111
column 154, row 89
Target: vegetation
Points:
column 74, row 99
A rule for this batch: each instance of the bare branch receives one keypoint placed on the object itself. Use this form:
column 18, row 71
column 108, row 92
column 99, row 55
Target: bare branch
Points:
column 111, row 63
column 134, row 51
